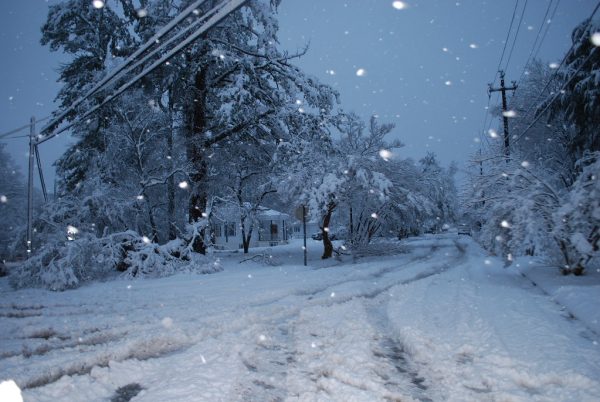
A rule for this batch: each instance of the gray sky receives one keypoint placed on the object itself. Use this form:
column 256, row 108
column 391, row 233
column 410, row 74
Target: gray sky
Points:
column 426, row 66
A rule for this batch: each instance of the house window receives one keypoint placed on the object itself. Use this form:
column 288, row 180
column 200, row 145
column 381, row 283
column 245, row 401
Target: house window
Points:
column 230, row 229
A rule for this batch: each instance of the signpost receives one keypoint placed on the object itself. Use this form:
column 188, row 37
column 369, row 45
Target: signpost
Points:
column 300, row 213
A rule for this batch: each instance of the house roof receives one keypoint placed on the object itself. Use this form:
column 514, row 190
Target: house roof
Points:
column 230, row 212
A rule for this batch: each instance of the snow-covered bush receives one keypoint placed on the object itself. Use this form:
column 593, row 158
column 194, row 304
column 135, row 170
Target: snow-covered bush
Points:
column 149, row 260
column 69, row 264
column 577, row 221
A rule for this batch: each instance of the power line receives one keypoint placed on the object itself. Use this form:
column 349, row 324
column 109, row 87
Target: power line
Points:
column 15, row 137
column 117, row 71
column 570, row 51
column 537, row 37
column 555, row 73
column 486, row 126
column 516, row 36
column 512, row 20
column 558, row 93
column 16, row 130
column 547, row 28
column 218, row 13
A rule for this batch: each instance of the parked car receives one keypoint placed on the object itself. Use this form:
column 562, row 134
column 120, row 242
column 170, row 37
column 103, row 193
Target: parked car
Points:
column 464, row 229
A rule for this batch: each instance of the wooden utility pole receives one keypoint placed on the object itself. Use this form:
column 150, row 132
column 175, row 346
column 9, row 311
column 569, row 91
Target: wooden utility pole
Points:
column 503, row 89
column 30, row 185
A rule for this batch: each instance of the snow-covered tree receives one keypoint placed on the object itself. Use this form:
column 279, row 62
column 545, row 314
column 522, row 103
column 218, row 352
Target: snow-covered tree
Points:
column 580, row 99
column 243, row 178
column 240, row 83
column 541, row 201
column 92, row 37
column 13, row 198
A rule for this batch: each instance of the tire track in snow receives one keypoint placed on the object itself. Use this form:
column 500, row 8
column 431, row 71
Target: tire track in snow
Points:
column 267, row 364
column 116, row 348
column 401, row 374
column 269, row 361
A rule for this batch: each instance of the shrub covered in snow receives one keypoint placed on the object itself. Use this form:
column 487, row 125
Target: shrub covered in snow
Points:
column 68, row 264
column 577, row 221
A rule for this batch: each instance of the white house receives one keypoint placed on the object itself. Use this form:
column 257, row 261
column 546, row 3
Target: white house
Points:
column 273, row 228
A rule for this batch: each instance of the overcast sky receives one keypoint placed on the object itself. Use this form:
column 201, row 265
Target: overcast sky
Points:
column 424, row 66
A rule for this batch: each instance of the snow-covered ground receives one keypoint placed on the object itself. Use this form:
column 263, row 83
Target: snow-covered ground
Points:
column 439, row 321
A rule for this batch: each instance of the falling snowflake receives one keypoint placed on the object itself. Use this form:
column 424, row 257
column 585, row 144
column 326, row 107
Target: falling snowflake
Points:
column 553, row 65
column 374, row 215
column 183, row 185
column 595, row 38
column 525, row 164
column 509, row 113
column 98, row 3
column 3, row 199
column 493, row 133
column 385, row 154
column 167, row 322
column 71, row 232
column 399, row 5
column 142, row 12
column 505, row 224
column 448, row 82
column 145, row 239
column 262, row 338
column 487, row 262
column 361, row 72
column 473, row 46
column 330, row 72
column 139, row 197
column 332, row 294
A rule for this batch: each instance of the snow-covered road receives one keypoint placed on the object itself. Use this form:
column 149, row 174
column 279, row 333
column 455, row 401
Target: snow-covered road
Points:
column 440, row 321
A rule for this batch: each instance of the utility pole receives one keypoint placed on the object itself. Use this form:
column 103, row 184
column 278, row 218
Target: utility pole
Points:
column 304, row 230
column 30, row 185
column 503, row 89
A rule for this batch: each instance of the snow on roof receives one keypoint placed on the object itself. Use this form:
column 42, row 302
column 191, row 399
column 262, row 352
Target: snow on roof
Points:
column 267, row 212
column 230, row 212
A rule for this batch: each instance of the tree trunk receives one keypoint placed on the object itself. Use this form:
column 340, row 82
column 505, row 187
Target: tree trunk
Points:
column 327, row 245
column 195, row 154
column 172, row 229
column 152, row 223
column 246, row 241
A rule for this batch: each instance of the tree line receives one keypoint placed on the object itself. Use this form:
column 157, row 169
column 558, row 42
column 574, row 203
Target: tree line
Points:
column 544, row 200
column 228, row 121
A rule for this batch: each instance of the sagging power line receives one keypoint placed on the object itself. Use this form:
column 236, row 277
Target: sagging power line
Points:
column 205, row 22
